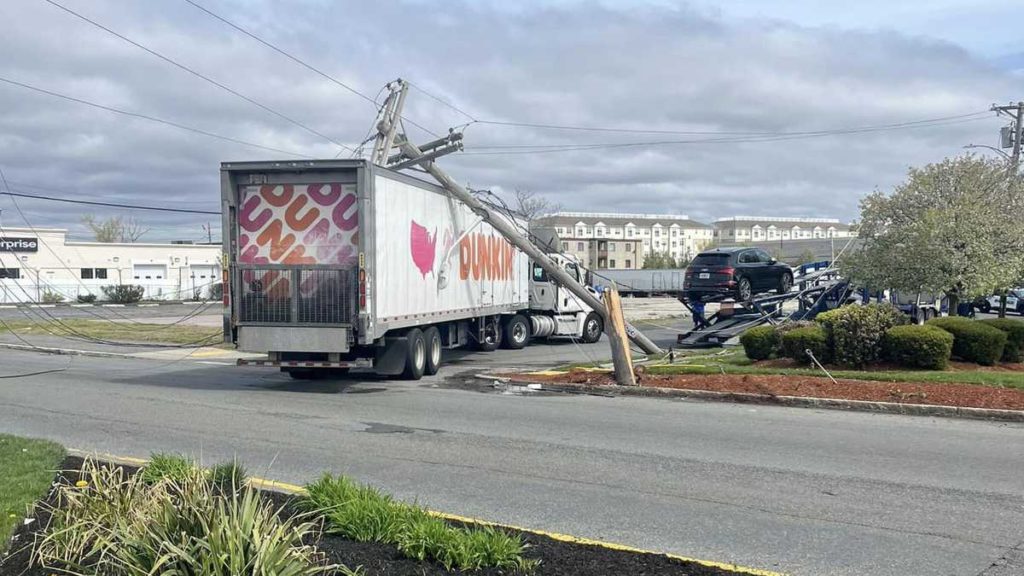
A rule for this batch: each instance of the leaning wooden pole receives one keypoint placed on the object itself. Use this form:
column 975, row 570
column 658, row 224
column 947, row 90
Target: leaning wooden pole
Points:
column 615, row 327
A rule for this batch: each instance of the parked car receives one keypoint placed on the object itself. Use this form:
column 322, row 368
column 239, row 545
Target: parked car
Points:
column 1014, row 302
column 738, row 273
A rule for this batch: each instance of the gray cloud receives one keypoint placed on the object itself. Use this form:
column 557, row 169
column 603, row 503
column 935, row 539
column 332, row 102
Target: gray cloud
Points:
column 588, row 64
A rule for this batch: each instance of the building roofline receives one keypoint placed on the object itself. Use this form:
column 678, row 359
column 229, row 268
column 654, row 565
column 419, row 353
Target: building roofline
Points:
column 777, row 219
column 626, row 215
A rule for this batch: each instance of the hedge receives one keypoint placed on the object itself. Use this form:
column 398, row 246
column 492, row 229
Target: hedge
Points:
column 918, row 346
column 797, row 341
column 854, row 333
column 1014, row 350
column 761, row 342
column 973, row 341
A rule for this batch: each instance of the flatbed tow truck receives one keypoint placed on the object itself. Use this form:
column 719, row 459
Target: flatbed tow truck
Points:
column 818, row 289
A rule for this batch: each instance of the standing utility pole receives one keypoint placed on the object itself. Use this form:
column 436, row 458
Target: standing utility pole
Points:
column 1011, row 137
column 388, row 135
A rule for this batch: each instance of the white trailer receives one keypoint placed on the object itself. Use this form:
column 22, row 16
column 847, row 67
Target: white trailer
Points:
column 339, row 264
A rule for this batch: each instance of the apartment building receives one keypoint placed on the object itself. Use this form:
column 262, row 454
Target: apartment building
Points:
column 595, row 236
column 742, row 229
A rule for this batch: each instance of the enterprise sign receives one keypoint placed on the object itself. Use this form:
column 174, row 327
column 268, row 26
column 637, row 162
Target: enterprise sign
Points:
column 18, row 244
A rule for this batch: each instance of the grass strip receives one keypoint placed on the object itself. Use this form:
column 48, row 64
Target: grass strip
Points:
column 119, row 331
column 28, row 467
column 365, row 514
column 978, row 377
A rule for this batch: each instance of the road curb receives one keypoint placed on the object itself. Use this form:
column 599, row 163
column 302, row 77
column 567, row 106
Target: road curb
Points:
column 293, row 489
column 792, row 401
column 65, row 351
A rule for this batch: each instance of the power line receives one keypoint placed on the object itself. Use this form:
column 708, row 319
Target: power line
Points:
column 8, row 192
column 198, row 75
column 300, row 62
column 442, row 101
column 557, row 148
column 150, row 118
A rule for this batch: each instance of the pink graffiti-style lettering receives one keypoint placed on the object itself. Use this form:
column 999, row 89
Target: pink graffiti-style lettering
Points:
column 317, row 234
column 267, row 192
column 332, row 195
column 292, row 218
column 298, row 256
column 246, row 220
column 243, row 240
column 338, row 214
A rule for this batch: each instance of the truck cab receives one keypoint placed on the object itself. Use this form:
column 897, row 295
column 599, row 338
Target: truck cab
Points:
column 555, row 311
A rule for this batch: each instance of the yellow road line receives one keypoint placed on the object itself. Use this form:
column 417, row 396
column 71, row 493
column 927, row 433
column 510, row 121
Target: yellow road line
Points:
column 266, row 484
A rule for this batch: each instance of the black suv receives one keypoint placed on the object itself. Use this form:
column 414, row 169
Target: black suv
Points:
column 737, row 273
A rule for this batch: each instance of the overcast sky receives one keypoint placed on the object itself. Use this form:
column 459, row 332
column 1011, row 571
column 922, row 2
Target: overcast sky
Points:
column 747, row 66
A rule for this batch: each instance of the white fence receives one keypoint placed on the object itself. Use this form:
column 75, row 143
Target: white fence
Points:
column 29, row 290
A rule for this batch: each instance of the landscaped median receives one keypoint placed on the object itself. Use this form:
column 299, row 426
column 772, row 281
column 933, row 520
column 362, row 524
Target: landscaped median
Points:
column 171, row 516
column 131, row 331
column 961, row 389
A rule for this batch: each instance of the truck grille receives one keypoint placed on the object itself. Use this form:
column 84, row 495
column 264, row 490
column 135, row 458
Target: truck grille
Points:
column 295, row 295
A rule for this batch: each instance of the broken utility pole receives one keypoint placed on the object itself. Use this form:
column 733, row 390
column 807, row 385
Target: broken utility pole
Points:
column 411, row 155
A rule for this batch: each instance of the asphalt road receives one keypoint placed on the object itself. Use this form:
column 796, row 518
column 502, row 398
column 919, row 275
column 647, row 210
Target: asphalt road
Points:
column 797, row 490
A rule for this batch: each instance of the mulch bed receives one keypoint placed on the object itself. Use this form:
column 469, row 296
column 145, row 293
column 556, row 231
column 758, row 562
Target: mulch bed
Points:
column 557, row 558
column 940, row 394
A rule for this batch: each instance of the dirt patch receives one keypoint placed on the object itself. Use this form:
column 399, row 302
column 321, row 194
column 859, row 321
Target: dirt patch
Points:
column 939, row 394
column 557, row 558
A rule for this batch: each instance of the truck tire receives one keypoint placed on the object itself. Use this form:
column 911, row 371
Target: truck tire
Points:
column 517, row 332
column 491, row 339
column 415, row 355
column 592, row 328
column 433, row 339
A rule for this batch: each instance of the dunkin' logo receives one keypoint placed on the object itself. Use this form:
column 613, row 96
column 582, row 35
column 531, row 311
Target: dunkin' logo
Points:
column 481, row 256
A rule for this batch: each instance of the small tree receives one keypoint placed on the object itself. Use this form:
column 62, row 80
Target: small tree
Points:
column 115, row 228
column 532, row 205
column 956, row 227
column 806, row 257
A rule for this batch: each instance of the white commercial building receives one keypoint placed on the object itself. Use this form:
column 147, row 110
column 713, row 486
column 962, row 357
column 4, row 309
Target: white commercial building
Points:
column 672, row 234
column 741, row 229
column 34, row 262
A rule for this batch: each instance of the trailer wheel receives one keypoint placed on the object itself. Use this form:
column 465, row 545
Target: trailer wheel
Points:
column 517, row 332
column 432, row 336
column 415, row 355
column 592, row 328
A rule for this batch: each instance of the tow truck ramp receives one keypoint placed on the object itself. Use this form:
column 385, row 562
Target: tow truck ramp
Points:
column 815, row 292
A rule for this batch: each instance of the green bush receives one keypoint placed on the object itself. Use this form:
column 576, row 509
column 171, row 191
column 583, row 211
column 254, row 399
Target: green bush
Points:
column 854, row 333
column 918, row 346
column 164, row 466
column 761, row 342
column 124, row 293
column 50, row 297
column 797, row 341
column 86, row 298
column 972, row 340
column 228, row 475
column 1014, row 350
column 118, row 524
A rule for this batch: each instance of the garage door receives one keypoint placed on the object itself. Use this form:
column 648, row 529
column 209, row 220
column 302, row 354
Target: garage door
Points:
column 149, row 272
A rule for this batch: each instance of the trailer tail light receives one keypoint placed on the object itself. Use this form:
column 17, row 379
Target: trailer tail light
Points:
column 224, row 288
column 362, row 289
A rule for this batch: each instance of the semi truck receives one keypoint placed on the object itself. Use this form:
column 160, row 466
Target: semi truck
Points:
column 332, row 265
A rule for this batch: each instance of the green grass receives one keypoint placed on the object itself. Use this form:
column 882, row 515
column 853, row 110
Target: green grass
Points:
column 167, row 466
column 119, row 331
column 28, row 469
column 740, row 364
column 365, row 514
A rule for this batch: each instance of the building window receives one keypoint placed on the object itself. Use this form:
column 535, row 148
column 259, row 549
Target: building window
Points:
column 675, row 244
column 611, row 263
column 629, row 264
column 657, row 232
column 579, row 247
column 10, row 273
column 629, row 247
column 87, row 273
column 629, row 231
column 101, row 273
column 611, row 246
column 675, row 232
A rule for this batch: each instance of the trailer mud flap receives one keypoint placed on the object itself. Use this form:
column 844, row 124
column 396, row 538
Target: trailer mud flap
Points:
column 390, row 358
